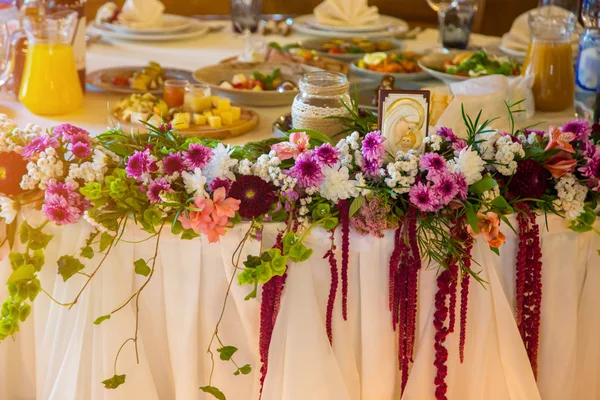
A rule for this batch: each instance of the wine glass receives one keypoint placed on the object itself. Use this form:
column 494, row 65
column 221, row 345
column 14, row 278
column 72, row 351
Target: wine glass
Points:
column 441, row 6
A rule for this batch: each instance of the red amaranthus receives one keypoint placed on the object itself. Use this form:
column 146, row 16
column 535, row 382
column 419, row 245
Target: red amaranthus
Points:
column 344, row 208
column 330, row 255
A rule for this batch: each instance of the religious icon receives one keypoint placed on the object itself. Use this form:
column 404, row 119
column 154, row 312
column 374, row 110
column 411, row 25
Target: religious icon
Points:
column 403, row 119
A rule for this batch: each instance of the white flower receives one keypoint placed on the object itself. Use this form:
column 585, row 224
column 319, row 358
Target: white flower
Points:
column 490, row 195
column 506, row 151
column 195, row 182
column 337, row 184
column 8, row 211
column 362, row 184
column 221, row 165
column 470, row 164
column 571, row 196
column 435, row 141
column 487, row 140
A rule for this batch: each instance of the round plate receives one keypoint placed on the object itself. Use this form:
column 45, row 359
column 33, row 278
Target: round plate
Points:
column 396, row 27
column 381, row 24
column 315, row 44
column 511, row 52
column 102, row 79
column 215, row 74
column 365, row 73
column 195, row 29
column 169, row 23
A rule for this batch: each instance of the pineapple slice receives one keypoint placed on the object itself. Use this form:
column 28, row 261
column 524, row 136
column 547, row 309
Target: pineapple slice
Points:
column 223, row 103
column 181, row 121
column 215, row 122
column 236, row 113
column 200, row 119
column 227, row 117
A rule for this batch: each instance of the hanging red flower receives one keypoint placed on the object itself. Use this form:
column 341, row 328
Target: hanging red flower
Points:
column 256, row 195
column 12, row 169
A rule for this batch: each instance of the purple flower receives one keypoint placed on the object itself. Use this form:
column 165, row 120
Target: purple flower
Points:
column 197, row 156
column 579, row 127
column 445, row 188
column 156, row 188
column 38, row 145
column 58, row 210
column 461, row 184
column 449, row 136
column 424, row 197
column 67, row 132
column 537, row 132
column 291, row 196
column 372, row 146
column 591, row 169
column 81, row 149
column 220, row 182
column 307, row 170
column 173, row 163
column 327, row 154
column 65, row 190
column 371, row 167
column 432, row 162
column 165, row 127
column 138, row 164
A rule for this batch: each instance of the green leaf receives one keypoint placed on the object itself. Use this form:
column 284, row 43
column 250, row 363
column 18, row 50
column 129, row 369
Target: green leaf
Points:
column 356, row 204
column 329, row 223
column 105, row 240
column 16, row 259
column 38, row 240
column 472, row 217
column 153, row 216
column 101, row 319
column 114, row 382
column 483, row 185
column 226, row 352
column 23, row 273
column 38, row 259
column 244, row 370
column 189, row 234
column 495, row 250
column 24, row 232
column 11, row 233
column 214, row 391
column 141, row 267
column 87, row 252
column 501, row 204
column 69, row 266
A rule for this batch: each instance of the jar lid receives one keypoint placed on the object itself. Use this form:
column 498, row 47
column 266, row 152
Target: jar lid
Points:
column 324, row 83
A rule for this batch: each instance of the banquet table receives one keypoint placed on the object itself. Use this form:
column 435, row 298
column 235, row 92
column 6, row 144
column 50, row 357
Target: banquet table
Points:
column 61, row 355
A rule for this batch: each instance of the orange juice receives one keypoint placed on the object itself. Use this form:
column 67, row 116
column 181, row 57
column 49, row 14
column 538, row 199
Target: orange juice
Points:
column 50, row 83
column 551, row 62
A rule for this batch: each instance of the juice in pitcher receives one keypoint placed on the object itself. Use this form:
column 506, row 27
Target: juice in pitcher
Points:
column 50, row 83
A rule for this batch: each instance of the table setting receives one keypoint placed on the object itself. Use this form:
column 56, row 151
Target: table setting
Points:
column 337, row 205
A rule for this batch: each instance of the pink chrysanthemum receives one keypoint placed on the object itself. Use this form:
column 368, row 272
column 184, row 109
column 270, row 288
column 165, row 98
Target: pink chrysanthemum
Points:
column 461, row 184
column 173, row 163
column 327, row 154
column 433, row 163
column 59, row 210
column 372, row 146
column 156, row 188
column 424, row 197
column 197, row 156
column 371, row 167
column 69, row 132
column 218, row 183
column 38, row 145
column 581, row 128
column 449, row 136
column 445, row 188
column 81, row 149
column 307, row 170
column 65, row 190
column 138, row 164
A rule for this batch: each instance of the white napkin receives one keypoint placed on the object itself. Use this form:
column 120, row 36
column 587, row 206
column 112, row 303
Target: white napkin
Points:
column 488, row 94
column 345, row 13
column 141, row 13
column 519, row 36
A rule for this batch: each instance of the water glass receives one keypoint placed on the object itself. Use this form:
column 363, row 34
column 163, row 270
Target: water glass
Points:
column 441, row 7
column 458, row 23
column 245, row 14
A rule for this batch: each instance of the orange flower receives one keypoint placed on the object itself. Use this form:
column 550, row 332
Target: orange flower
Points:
column 489, row 226
column 561, row 140
column 561, row 164
column 12, row 169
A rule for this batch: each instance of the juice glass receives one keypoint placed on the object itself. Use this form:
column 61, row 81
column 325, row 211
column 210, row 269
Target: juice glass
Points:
column 174, row 92
column 50, row 84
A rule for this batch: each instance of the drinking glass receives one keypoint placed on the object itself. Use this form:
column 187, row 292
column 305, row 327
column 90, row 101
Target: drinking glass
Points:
column 174, row 92
column 441, row 7
column 6, row 54
column 245, row 14
column 569, row 5
column 458, row 24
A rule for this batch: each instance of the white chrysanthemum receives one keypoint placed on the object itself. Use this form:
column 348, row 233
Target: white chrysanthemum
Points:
column 571, row 196
column 8, row 211
column 221, row 165
column 470, row 164
column 195, row 182
column 337, row 184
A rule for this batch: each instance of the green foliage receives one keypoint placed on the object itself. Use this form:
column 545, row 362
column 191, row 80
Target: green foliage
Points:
column 141, row 267
column 356, row 204
column 114, row 382
column 214, row 391
column 585, row 222
column 101, row 319
column 69, row 266
column 244, row 370
column 483, row 185
column 226, row 352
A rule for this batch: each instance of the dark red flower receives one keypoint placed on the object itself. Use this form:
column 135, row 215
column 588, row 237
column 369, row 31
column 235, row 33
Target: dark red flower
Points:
column 12, row 169
column 255, row 194
column 530, row 181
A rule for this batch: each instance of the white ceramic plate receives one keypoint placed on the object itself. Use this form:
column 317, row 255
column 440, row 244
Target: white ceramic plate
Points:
column 102, row 79
column 315, row 44
column 395, row 26
column 195, row 29
column 215, row 74
column 169, row 23
column 372, row 75
column 379, row 25
column 512, row 52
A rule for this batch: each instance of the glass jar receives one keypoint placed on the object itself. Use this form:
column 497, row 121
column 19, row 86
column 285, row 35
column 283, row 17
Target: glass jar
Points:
column 174, row 92
column 322, row 94
column 550, row 58
column 197, row 98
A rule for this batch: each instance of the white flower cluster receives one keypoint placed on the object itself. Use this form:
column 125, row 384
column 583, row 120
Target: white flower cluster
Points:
column 267, row 168
column 435, row 142
column 350, row 142
column 506, row 151
column 13, row 138
column 93, row 171
column 402, row 172
column 486, row 144
column 489, row 195
column 571, row 196
column 47, row 167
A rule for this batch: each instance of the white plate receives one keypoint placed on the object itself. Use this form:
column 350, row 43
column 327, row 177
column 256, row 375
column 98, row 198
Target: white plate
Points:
column 380, row 25
column 169, row 23
column 512, row 52
column 395, row 26
column 102, row 79
column 195, row 29
column 373, row 75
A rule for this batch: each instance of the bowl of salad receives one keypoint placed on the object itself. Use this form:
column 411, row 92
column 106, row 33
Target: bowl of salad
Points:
column 462, row 65
column 403, row 66
column 348, row 50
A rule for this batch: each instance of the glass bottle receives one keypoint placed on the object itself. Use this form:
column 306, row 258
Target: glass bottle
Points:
column 322, row 94
column 79, row 43
column 550, row 58
column 587, row 78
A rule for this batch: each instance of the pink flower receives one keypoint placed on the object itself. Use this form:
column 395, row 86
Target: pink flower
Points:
column 197, row 156
column 297, row 144
column 38, row 145
column 156, row 188
column 561, row 140
column 200, row 216
column 81, row 149
column 173, row 163
column 69, row 132
column 561, row 164
column 489, row 227
column 225, row 207
column 307, row 170
column 59, row 210
column 139, row 163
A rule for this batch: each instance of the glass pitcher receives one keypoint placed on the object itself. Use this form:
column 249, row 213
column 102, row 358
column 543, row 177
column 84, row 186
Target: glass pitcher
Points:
column 550, row 58
column 50, row 84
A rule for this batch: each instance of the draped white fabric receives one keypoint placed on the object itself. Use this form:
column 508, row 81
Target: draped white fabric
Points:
column 60, row 355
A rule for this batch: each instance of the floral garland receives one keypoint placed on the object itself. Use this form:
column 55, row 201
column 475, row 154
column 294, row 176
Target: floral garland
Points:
column 190, row 186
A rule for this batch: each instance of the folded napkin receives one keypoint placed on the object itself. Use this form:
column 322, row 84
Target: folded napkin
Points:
column 488, row 94
column 345, row 13
column 519, row 36
column 141, row 13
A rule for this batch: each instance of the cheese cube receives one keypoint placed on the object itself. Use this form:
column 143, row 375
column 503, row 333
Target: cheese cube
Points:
column 205, row 103
column 214, row 122
column 216, row 112
column 200, row 119
column 223, row 103
column 207, row 113
column 236, row 113
column 227, row 117
column 181, row 121
column 155, row 120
